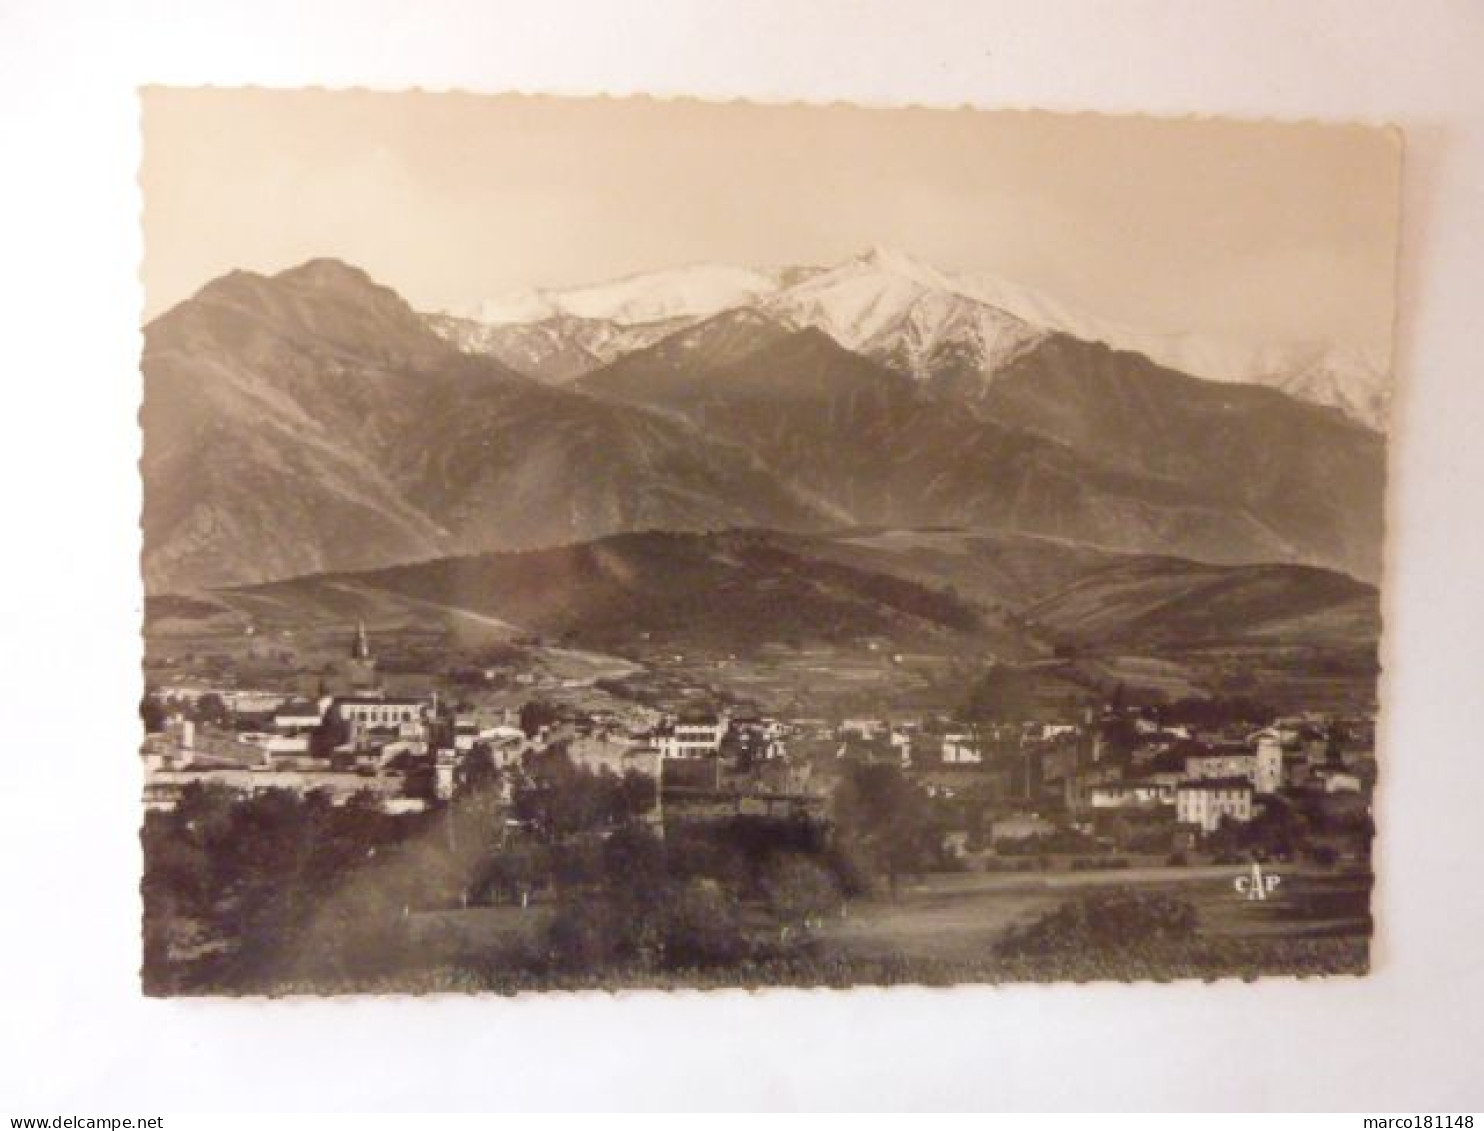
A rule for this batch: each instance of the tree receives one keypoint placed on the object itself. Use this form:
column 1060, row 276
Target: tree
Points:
column 420, row 779
column 1103, row 922
column 1120, row 737
column 558, row 798
column 212, row 708
column 333, row 731
column 535, row 714
column 1278, row 829
column 474, row 819
column 359, row 931
column 516, row 870
column 638, row 793
column 1334, row 747
column 885, row 821
column 692, row 923
column 701, row 925
column 584, row 935
column 152, row 713
column 476, row 772
column 634, row 858
column 799, row 892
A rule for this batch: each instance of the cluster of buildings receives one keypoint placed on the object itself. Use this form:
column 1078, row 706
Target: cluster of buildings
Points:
column 1228, row 775
column 406, row 752
column 1122, row 761
column 357, row 739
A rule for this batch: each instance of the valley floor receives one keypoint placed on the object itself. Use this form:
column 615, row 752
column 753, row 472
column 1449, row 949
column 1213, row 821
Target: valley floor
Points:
column 943, row 927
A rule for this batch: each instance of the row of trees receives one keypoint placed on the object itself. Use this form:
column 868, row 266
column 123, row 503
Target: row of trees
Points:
column 155, row 709
column 233, row 887
column 1103, row 922
column 711, row 896
column 247, row 893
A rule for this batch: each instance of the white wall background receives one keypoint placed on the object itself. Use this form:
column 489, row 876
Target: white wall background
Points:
column 76, row 1036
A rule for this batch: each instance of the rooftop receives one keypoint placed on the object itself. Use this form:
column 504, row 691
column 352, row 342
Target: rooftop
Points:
column 382, row 700
column 1210, row 784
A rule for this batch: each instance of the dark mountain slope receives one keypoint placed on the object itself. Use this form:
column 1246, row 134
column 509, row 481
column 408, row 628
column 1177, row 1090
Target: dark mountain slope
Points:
column 994, row 568
column 312, row 421
column 881, row 449
column 729, row 591
column 1165, row 601
column 1065, row 591
column 735, row 590
column 1308, row 474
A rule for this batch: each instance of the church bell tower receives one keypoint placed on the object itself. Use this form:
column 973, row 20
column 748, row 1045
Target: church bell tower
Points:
column 360, row 669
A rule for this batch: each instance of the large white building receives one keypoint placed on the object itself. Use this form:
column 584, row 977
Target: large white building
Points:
column 163, row 787
column 698, row 737
column 1137, row 794
column 299, row 714
column 380, row 712
column 1261, row 765
column 1206, row 803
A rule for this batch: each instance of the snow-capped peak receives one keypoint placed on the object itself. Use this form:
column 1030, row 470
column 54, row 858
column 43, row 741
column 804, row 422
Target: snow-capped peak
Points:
column 905, row 314
column 928, row 323
column 896, row 262
column 695, row 291
column 1347, row 379
column 509, row 308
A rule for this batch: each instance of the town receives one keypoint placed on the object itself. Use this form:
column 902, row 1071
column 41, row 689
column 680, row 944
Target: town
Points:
column 1094, row 784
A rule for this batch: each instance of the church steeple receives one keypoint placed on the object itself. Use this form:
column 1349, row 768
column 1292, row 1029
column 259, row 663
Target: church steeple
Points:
column 361, row 649
column 359, row 669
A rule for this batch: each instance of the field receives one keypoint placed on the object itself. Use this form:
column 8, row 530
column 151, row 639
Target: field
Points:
column 950, row 922
column 958, row 917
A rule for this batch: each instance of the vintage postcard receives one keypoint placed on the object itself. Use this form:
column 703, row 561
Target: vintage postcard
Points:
column 637, row 543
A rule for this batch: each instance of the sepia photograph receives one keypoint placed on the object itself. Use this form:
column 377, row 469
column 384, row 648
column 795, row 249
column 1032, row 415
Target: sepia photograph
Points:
column 637, row 543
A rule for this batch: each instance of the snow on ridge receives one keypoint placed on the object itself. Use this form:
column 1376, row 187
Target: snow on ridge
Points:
column 1354, row 380
column 697, row 290
column 888, row 304
column 685, row 291
column 905, row 314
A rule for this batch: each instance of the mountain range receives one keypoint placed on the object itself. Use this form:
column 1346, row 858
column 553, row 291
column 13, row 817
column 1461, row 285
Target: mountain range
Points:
column 312, row 421
column 910, row 316
column 1072, row 439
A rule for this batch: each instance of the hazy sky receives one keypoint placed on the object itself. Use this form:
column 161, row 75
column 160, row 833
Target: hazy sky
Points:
column 1240, row 230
